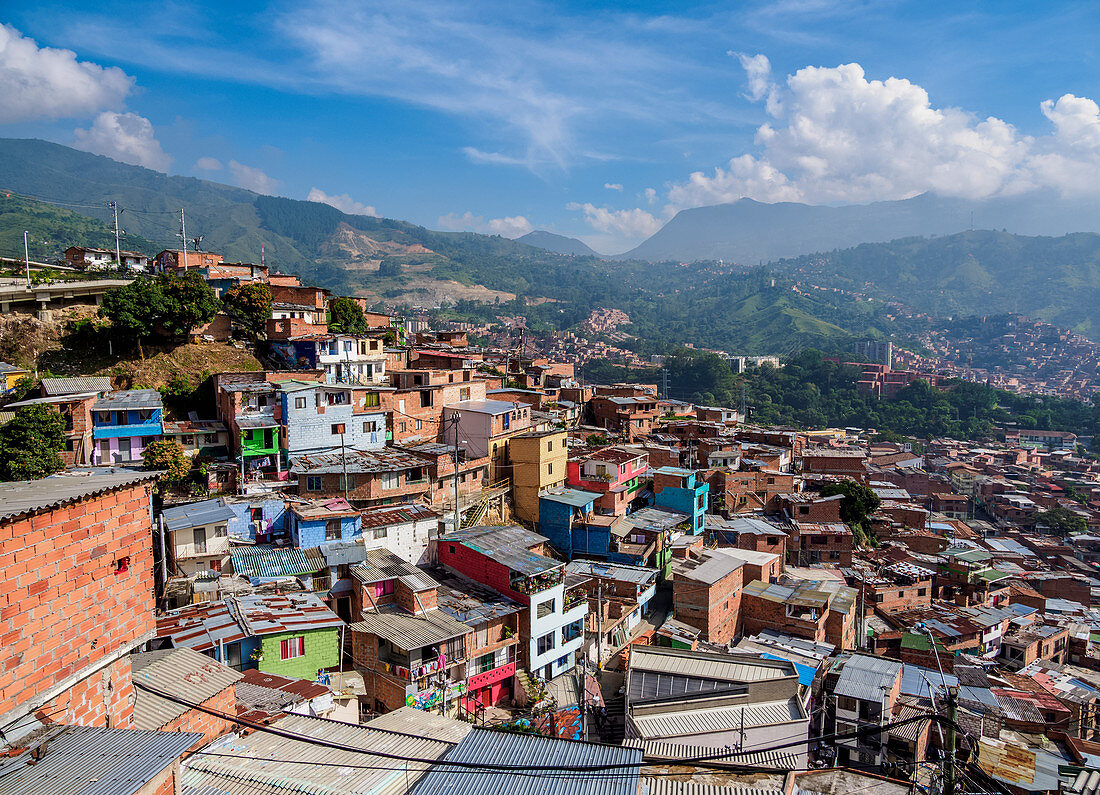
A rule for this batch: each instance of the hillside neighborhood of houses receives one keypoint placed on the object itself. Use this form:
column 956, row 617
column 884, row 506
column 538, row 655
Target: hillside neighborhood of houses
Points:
column 405, row 563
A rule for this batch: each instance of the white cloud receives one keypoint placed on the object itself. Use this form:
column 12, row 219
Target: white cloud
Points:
column 47, row 83
column 625, row 225
column 510, row 226
column 253, row 179
column 492, row 158
column 839, row 137
column 613, row 186
column 123, row 136
column 208, row 164
column 342, row 202
column 651, row 195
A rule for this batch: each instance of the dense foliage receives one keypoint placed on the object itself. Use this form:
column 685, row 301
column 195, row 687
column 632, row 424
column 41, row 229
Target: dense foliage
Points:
column 166, row 307
column 249, row 305
column 167, row 455
column 345, row 316
column 30, row 444
column 811, row 392
column 856, row 504
column 1061, row 520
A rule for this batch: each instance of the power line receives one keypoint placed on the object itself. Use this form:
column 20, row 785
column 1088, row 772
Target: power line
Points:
column 698, row 761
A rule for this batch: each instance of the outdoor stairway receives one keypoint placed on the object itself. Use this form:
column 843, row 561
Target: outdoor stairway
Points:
column 534, row 693
column 614, row 730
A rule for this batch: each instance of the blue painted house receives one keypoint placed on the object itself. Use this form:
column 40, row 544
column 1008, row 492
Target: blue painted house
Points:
column 684, row 491
column 314, row 524
column 319, row 417
column 564, row 518
column 258, row 519
column 123, row 423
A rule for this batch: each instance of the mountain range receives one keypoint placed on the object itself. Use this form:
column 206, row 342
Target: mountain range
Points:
column 556, row 281
column 751, row 233
column 559, row 244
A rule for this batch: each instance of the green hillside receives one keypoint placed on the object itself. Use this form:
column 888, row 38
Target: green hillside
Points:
column 53, row 229
column 1056, row 279
column 405, row 264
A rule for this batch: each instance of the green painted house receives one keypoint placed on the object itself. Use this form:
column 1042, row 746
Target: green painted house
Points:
column 292, row 634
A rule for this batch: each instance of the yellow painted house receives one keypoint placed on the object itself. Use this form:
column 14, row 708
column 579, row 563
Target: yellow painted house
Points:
column 11, row 375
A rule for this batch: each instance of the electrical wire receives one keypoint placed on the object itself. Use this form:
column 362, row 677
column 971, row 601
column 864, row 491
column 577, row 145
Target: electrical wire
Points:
column 699, row 760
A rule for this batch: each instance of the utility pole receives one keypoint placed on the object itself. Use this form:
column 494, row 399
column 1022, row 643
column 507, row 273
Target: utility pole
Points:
column 599, row 624
column 118, row 248
column 183, row 237
column 949, row 759
column 344, row 462
column 27, row 257
column 458, row 513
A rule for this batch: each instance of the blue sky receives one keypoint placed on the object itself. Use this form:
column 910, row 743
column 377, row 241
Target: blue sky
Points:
column 593, row 120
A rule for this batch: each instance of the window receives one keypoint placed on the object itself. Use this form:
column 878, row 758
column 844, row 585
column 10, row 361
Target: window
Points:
column 464, row 393
column 337, row 429
column 200, row 539
column 922, row 592
column 299, row 402
column 221, row 531
column 803, row 509
column 124, row 453
column 878, row 598
column 507, row 419
column 418, row 425
column 544, row 608
column 332, row 530
column 847, row 704
column 347, row 346
column 389, row 480
column 771, row 542
column 255, row 514
column 371, row 399
column 313, row 483
column 370, row 426
column 545, row 643
column 383, row 588
column 380, row 532
column 291, row 648
column 187, row 440
column 549, row 469
column 549, row 447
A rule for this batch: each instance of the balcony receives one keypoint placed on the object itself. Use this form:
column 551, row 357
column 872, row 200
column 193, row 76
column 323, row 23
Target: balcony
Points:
column 575, row 613
column 536, row 583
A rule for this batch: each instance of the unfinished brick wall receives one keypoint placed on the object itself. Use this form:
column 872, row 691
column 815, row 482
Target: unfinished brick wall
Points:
column 713, row 609
column 209, row 726
column 105, row 698
column 64, row 606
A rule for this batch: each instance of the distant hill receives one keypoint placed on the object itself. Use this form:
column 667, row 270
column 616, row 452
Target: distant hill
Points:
column 749, row 232
column 978, row 272
column 559, row 244
column 53, row 229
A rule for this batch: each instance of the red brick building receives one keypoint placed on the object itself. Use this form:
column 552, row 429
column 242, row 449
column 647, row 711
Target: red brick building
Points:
column 839, row 462
column 706, row 594
column 820, row 543
column 756, row 492
column 77, row 597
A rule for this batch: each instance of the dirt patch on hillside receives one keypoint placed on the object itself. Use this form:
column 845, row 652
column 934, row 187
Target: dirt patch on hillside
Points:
column 430, row 293
column 193, row 361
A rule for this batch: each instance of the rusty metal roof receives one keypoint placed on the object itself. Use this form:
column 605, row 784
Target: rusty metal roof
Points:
column 388, row 459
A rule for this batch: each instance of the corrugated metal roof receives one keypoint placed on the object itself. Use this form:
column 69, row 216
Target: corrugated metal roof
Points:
column 265, row 561
column 272, row 614
column 388, row 459
column 87, row 760
column 125, row 399
column 70, row 386
column 30, row 496
column 573, row 497
column 485, row 746
column 197, row 514
column 407, row 631
column 256, row 766
column 671, row 786
column 509, row 546
column 638, row 575
column 419, row 723
column 709, row 665
column 706, row 720
column 182, row 672
column 261, row 696
column 710, row 567
column 663, row 750
column 381, row 565
column 863, row 676
column 200, row 627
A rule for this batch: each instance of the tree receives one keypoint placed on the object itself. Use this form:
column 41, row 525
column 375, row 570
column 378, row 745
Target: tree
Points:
column 30, row 444
column 1061, row 520
column 346, row 316
column 169, row 455
column 858, row 501
column 165, row 306
column 249, row 305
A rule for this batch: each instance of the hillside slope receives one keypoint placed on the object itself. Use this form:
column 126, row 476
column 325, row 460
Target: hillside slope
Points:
column 750, row 232
column 979, row 272
column 559, row 244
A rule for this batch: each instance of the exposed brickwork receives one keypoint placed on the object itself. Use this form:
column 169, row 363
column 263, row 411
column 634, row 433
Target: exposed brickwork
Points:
column 106, row 698
column 63, row 606
column 712, row 608
column 209, row 726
